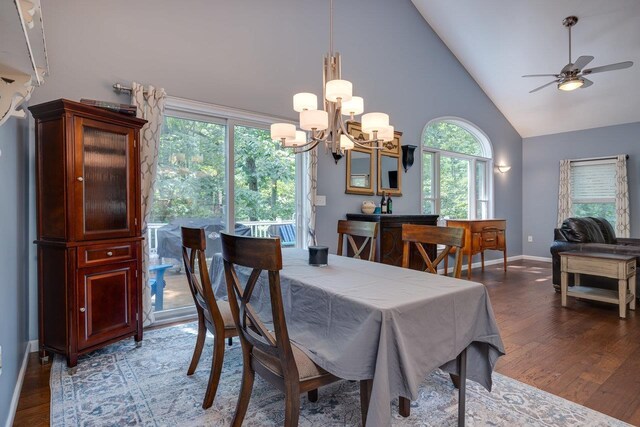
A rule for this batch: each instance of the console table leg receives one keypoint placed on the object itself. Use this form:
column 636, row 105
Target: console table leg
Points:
column 632, row 289
column 564, row 281
column 469, row 258
column 622, row 297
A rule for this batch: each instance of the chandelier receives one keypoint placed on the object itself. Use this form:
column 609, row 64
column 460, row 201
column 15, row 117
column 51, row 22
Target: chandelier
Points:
column 328, row 125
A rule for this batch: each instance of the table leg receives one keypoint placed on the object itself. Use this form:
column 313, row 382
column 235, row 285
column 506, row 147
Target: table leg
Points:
column 469, row 258
column 159, row 290
column 365, row 397
column 622, row 297
column 482, row 259
column 576, row 279
column 564, row 282
column 462, row 389
column 632, row 289
column 505, row 257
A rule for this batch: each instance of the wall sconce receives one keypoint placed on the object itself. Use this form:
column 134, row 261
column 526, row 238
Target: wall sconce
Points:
column 407, row 156
column 503, row 168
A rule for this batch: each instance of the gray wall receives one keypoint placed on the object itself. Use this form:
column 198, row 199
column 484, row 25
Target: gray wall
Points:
column 542, row 155
column 256, row 54
column 14, row 247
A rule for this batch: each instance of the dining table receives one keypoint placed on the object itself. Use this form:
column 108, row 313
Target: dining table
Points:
column 362, row 320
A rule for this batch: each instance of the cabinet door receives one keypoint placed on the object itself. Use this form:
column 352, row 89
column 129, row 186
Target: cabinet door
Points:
column 104, row 180
column 106, row 302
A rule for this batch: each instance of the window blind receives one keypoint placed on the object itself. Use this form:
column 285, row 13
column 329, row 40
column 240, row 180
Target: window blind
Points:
column 593, row 182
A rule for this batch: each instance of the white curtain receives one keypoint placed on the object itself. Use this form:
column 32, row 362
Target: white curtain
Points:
column 564, row 191
column 622, row 198
column 311, row 192
column 151, row 108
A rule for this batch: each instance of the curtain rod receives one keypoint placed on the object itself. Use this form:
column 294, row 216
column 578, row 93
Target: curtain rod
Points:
column 597, row 158
column 124, row 89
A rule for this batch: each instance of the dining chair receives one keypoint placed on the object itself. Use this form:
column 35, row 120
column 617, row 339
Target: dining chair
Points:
column 362, row 229
column 267, row 352
column 214, row 316
column 452, row 238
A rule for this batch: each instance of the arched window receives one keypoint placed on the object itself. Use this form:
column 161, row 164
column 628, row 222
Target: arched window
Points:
column 457, row 160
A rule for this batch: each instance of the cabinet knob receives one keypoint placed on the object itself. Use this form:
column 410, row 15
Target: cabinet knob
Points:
column 109, row 253
column 82, row 309
column 80, row 178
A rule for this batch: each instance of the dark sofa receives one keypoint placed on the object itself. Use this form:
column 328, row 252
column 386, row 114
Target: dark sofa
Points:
column 590, row 235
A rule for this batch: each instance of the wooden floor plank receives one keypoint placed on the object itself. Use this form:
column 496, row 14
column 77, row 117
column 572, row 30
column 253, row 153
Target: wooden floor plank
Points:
column 583, row 353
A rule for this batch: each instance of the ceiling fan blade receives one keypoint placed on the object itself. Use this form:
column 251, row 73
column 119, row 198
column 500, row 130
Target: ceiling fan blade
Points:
column 542, row 75
column 610, row 67
column 543, row 86
column 581, row 62
column 586, row 83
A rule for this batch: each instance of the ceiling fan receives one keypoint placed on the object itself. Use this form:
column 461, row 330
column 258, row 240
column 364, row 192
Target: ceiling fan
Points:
column 572, row 76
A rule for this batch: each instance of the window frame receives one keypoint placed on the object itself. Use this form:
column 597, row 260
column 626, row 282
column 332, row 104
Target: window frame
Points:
column 436, row 154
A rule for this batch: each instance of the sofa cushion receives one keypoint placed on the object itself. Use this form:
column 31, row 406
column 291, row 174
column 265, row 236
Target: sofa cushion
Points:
column 582, row 230
column 607, row 230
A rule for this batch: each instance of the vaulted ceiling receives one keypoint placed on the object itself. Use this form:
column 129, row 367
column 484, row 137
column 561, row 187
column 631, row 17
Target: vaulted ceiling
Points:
column 498, row 41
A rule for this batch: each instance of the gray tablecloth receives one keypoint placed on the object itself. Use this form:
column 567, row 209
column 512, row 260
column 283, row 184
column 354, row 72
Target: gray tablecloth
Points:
column 361, row 320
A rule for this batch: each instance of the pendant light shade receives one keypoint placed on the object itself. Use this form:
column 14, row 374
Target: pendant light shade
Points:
column 345, row 142
column 305, row 101
column 386, row 133
column 282, row 130
column 300, row 139
column 374, row 122
column 355, row 106
column 314, row 120
column 339, row 89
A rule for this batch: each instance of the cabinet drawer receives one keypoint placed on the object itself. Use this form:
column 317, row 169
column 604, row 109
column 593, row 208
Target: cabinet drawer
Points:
column 489, row 240
column 104, row 254
column 481, row 226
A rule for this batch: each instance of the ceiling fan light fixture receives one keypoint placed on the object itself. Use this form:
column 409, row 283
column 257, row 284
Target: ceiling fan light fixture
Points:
column 571, row 84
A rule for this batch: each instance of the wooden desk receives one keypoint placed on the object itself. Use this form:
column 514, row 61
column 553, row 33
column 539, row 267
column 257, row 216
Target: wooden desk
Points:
column 480, row 235
column 621, row 267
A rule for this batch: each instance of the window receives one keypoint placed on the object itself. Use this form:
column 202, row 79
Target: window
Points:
column 593, row 189
column 456, row 165
column 217, row 169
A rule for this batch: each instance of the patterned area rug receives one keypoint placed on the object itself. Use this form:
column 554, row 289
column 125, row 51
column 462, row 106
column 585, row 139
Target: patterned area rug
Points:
column 124, row 385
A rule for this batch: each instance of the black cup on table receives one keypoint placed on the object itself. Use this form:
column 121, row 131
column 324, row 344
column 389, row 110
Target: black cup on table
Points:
column 318, row 255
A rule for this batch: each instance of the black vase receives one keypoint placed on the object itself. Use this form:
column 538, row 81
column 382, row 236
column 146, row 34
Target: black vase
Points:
column 407, row 156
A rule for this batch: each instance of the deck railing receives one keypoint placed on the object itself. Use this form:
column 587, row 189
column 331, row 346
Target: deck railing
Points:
column 258, row 229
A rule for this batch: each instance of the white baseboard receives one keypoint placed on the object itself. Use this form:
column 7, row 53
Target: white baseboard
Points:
column 16, row 391
column 490, row 262
column 537, row 258
column 34, row 346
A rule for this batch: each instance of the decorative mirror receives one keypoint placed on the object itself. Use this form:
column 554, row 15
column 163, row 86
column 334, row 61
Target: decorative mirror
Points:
column 360, row 176
column 389, row 167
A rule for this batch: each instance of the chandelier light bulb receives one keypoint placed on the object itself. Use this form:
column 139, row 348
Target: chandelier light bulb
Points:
column 339, row 89
column 345, row 142
column 386, row 133
column 282, row 130
column 314, row 119
column 300, row 139
column 305, row 101
column 355, row 106
column 374, row 121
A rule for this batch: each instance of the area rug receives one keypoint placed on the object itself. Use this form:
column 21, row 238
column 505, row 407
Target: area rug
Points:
column 123, row 385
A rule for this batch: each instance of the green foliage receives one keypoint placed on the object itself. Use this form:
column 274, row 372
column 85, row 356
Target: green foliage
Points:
column 191, row 173
column 602, row 210
column 451, row 137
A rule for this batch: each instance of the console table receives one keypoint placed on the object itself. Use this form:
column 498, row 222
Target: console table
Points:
column 480, row 235
column 615, row 266
column 389, row 250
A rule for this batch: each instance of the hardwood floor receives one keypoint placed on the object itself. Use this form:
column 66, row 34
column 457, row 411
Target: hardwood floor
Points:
column 583, row 353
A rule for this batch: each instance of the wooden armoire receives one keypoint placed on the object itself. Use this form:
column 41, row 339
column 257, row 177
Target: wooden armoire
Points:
column 88, row 227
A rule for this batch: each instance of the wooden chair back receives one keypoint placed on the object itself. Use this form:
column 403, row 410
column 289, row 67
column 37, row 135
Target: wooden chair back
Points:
column 194, row 244
column 258, row 254
column 364, row 229
column 451, row 237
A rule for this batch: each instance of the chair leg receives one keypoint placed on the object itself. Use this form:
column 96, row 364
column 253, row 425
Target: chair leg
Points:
column 197, row 352
column 404, row 406
column 292, row 405
column 312, row 395
column 216, row 370
column 230, row 340
column 245, row 392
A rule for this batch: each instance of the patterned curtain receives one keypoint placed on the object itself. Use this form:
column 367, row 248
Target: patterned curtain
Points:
column 312, row 191
column 151, row 108
column 622, row 198
column 564, row 191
